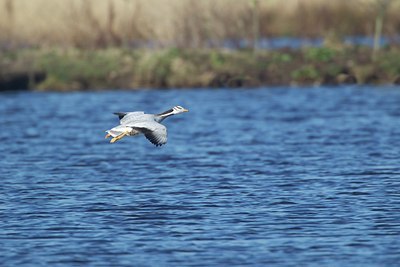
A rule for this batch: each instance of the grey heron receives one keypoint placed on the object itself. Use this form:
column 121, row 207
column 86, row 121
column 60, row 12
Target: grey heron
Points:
column 138, row 122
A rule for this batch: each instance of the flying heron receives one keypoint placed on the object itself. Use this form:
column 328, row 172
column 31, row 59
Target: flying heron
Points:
column 134, row 123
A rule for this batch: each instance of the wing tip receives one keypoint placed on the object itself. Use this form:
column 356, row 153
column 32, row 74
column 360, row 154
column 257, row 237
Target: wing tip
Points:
column 120, row 114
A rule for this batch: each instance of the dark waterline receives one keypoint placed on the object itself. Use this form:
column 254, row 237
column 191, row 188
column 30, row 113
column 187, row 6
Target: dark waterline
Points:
column 284, row 177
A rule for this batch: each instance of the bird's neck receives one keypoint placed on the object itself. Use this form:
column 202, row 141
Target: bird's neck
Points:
column 165, row 114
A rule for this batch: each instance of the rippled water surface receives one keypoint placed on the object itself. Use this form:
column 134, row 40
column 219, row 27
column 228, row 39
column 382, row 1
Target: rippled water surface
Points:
column 265, row 177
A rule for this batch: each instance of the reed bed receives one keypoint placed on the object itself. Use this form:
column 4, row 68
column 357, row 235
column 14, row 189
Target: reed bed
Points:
column 183, row 23
column 99, row 44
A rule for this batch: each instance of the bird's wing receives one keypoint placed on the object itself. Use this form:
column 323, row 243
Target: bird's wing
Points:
column 129, row 117
column 155, row 132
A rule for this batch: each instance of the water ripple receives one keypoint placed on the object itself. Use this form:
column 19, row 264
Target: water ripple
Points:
column 277, row 177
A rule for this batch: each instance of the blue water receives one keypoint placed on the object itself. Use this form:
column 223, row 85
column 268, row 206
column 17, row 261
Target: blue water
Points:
column 263, row 177
column 280, row 42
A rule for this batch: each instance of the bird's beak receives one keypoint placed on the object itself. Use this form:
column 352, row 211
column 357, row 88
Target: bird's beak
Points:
column 185, row 110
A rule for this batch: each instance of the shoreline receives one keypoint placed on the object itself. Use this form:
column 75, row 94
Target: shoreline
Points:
column 56, row 69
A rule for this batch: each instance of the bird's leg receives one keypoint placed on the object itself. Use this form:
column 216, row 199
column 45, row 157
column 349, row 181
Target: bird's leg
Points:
column 119, row 137
column 107, row 136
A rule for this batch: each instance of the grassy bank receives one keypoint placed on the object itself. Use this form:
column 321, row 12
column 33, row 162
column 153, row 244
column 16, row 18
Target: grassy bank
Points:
column 77, row 69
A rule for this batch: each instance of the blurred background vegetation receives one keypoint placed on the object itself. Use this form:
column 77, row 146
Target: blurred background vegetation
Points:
column 79, row 44
column 185, row 23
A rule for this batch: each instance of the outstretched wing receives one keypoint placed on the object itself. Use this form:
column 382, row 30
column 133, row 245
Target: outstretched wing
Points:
column 155, row 132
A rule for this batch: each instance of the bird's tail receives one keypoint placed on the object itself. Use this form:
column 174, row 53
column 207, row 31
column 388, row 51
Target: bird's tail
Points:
column 117, row 130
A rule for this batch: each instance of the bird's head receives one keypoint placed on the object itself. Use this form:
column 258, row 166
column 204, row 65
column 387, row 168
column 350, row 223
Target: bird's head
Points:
column 179, row 109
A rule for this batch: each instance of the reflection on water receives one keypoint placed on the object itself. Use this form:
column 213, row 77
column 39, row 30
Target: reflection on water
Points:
column 282, row 177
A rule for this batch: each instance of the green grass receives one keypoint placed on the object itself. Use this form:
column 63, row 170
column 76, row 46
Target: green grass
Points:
column 320, row 54
column 79, row 69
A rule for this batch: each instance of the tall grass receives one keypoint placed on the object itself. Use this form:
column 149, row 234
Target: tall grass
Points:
column 183, row 23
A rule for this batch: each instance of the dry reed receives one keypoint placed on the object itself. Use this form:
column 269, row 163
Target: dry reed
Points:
column 181, row 23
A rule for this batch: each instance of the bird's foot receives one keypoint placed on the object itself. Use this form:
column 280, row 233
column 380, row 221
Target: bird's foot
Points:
column 107, row 136
column 119, row 137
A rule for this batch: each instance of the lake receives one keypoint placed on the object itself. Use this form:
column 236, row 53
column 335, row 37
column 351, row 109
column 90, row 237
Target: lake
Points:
column 257, row 177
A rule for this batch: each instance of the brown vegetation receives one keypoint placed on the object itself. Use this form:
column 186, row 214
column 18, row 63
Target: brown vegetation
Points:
column 182, row 23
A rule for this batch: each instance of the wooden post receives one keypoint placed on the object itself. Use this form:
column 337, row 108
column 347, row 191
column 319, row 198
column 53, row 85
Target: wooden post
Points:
column 256, row 24
column 383, row 5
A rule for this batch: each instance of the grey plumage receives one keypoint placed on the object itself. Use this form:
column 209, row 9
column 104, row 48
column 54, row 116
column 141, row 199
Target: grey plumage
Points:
column 138, row 122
